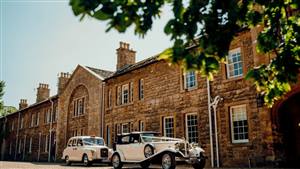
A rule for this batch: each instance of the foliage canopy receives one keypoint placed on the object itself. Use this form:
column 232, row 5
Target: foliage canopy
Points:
column 210, row 25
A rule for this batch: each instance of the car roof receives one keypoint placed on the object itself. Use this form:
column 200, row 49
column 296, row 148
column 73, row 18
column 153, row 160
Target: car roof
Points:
column 77, row 137
column 138, row 132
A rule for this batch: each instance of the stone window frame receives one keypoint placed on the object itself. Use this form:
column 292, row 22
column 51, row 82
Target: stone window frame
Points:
column 241, row 61
column 141, row 89
column 187, row 80
column 233, row 140
column 125, row 94
column 166, row 128
column 131, row 91
column 79, row 106
column 194, row 126
column 108, row 134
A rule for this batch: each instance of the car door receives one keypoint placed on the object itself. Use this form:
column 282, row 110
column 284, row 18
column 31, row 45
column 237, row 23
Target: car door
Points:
column 137, row 147
column 74, row 156
column 68, row 150
column 79, row 149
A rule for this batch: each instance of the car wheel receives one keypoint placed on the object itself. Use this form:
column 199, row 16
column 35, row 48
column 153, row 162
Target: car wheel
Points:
column 85, row 160
column 68, row 162
column 116, row 161
column 168, row 161
column 145, row 164
column 148, row 151
column 199, row 164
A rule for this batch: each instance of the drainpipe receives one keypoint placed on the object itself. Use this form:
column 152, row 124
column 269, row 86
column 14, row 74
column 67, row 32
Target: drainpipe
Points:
column 17, row 137
column 102, row 110
column 214, row 104
column 210, row 124
column 50, row 131
column 39, row 152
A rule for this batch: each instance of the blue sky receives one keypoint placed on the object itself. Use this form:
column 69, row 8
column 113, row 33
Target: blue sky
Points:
column 41, row 38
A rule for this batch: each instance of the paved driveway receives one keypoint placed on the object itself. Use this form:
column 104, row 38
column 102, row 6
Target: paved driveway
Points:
column 39, row 165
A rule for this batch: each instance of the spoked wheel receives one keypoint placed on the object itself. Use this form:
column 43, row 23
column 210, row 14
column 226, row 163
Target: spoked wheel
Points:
column 116, row 161
column 168, row 161
column 68, row 162
column 148, row 151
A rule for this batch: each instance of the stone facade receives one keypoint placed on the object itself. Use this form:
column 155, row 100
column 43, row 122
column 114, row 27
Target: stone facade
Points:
column 151, row 95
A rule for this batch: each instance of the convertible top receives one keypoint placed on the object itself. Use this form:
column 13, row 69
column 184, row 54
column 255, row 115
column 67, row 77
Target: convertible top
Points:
column 138, row 132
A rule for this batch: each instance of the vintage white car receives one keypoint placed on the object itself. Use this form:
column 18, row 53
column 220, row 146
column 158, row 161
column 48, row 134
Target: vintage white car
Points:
column 86, row 149
column 145, row 148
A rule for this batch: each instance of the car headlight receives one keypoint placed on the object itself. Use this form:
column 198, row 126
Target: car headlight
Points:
column 177, row 146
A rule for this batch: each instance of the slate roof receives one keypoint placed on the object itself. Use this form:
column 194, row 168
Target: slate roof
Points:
column 132, row 67
column 103, row 73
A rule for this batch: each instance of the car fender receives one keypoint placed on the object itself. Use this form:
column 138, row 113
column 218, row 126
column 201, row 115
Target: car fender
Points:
column 120, row 154
column 89, row 153
column 160, row 153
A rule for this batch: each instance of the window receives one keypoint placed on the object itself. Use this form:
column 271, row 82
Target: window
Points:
column 37, row 119
column 239, row 124
column 10, row 148
column 109, row 99
column 131, row 91
column 12, row 125
column 192, row 128
column 47, row 116
column 125, row 94
column 54, row 115
column 125, row 128
column 79, row 107
column 141, row 89
column 46, row 143
column 168, row 125
column 20, row 146
column 22, row 122
column 234, row 64
column 30, row 145
column 141, row 126
column 108, row 136
column 74, row 132
column 190, row 80
column 32, row 120
column 119, row 96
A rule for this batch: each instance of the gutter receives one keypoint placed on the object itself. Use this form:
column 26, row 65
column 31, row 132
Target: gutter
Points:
column 210, row 125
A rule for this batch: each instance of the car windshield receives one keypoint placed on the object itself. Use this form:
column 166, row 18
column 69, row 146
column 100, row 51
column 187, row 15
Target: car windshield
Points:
column 149, row 137
column 93, row 141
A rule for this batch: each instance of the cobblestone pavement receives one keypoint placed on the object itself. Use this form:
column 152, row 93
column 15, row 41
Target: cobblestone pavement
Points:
column 45, row 165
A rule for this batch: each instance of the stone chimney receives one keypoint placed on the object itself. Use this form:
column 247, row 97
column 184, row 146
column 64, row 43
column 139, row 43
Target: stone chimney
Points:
column 62, row 81
column 43, row 92
column 125, row 55
column 23, row 104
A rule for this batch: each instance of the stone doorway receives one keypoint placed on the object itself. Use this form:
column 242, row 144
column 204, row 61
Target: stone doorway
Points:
column 289, row 129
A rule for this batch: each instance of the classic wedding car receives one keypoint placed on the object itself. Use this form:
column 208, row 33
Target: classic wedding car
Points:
column 86, row 149
column 145, row 148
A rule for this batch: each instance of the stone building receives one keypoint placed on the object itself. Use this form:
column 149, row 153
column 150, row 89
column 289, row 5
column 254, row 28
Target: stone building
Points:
column 152, row 95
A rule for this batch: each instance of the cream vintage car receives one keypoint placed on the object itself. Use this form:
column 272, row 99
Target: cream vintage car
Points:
column 86, row 149
column 145, row 148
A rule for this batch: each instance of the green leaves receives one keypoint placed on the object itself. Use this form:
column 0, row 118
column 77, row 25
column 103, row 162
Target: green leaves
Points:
column 202, row 32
